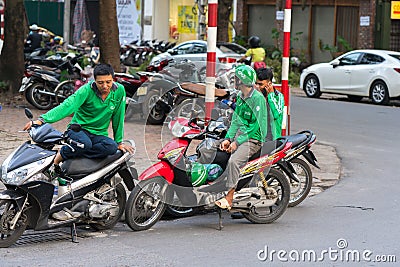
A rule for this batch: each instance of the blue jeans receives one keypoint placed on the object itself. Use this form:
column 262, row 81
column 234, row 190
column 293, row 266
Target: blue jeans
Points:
column 95, row 146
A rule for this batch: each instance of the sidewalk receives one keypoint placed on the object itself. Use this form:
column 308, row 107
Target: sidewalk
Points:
column 149, row 141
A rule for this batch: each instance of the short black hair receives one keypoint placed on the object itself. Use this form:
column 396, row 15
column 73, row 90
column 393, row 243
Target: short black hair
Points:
column 264, row 74
column 103, row 69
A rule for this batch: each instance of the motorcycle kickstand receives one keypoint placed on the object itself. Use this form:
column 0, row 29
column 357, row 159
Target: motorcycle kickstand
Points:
column 74, row 235
column 220, row 226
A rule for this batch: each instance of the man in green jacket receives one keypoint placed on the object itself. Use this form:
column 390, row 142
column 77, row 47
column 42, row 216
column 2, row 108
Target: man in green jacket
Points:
column 275, row 102
column 247, row 131
column 94, row 105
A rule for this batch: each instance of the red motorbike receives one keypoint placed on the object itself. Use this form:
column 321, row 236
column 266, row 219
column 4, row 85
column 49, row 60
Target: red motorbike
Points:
column 262, row 193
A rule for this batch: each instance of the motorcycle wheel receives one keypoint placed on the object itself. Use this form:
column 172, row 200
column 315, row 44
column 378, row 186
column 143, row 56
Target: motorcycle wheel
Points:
column 299, row 190
column 38, row 100
column 63, row 91
column 176, row 209
column 146, row 204
column 277, row 180
column 186, row 107
column 112, row 221
column 153, row 112
column 8, row 236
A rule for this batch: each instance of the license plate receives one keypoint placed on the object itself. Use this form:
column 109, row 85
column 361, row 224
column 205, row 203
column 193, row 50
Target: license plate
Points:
column 142, row 90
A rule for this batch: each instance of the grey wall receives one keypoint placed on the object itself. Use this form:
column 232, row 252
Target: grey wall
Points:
column 261, row 22
column 323, row 25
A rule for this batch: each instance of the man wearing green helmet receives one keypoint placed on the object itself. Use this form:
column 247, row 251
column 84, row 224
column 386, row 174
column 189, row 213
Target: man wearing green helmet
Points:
column 247, row 131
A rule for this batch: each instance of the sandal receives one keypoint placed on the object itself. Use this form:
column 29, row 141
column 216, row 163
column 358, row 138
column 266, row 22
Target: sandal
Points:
column 223, row 204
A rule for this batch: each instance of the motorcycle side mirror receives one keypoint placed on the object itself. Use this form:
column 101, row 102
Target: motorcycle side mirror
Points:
column 28, row 113
column 75, row 127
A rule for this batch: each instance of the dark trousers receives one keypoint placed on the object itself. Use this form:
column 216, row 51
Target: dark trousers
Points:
column 95, row 146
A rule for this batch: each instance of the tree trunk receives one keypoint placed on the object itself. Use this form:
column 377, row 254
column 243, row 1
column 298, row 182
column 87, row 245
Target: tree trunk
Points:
column 224, row 11
column 109, row 34
column 12, row 55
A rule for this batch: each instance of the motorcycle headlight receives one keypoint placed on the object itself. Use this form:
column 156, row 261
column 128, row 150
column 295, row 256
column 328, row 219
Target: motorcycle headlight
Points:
column 29, row 171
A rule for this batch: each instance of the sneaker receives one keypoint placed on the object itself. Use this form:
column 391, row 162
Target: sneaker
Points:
column 65, row 215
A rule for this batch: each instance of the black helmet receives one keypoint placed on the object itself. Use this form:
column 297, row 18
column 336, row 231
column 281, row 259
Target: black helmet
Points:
column 254, row 41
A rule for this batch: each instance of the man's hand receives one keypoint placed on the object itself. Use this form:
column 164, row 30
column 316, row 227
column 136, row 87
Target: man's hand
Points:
column 224, row 146
column 126, row 148
column 232, row 148
column 269, row 87
column 29, row 124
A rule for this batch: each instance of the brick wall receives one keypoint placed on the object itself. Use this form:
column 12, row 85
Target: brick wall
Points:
column 366, row 33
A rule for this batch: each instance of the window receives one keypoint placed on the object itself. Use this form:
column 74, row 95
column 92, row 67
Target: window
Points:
column 183, row 49
column 350, row 59
column 396, row 57
column 199, row 48
column 371, row 59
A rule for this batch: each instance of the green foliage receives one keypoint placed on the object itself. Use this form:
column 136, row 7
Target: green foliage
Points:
column 274, row 56
column 240, row 40
column 4, row 86
column 342, row 47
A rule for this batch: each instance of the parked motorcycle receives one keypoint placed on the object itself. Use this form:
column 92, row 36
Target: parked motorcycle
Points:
column 179, row 82
column 93, row 195
column 262, row 194
column 39, row 82
column 297, row 171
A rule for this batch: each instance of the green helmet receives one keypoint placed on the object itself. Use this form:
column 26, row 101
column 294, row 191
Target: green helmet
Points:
column 198, row 174
column 246, row 74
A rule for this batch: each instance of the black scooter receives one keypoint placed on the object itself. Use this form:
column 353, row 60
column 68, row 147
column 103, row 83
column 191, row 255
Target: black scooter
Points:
column 93, row 194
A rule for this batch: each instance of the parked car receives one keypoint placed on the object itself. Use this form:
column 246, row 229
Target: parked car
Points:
column 196, row 50
column 357, row 74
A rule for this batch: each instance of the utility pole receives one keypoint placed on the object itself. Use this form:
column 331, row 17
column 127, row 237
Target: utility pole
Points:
column 67, row 20
column 211, row 56
column 285, row 66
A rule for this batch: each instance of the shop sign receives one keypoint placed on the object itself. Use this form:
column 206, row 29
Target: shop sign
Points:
column 187, row 21
column 395, row 10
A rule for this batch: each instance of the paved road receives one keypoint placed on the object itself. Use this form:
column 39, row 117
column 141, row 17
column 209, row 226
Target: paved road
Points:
column 362, row 210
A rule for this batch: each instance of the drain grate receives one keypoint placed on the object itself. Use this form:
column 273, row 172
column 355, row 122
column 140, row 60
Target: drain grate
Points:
column 36, row 237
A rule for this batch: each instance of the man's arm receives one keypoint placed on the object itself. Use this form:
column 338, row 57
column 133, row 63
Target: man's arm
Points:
column 68, row 106
column 233, row 128
column 259, row 109
column 276, row 104
column 118, row 117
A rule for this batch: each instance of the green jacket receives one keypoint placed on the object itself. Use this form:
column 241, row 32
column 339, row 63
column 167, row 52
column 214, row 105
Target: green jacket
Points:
column 91, row 112
column 276, row 104
column 250, row 119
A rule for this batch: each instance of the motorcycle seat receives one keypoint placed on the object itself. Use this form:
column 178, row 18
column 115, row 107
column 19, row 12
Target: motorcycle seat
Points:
column 266, row 149
column 200, row 89
column 80, row 167
column 296, row 139
column 40, row 68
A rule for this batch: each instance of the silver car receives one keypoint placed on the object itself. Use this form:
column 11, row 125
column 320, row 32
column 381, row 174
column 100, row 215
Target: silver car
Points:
column 196, row 50
column 357, row 74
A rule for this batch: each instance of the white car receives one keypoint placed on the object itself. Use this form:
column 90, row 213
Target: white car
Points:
column 196, row 50
column 357, row 74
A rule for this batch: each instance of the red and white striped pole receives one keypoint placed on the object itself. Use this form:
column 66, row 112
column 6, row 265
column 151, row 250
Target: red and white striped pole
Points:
column 211, row 56
column 285, row 66
column 2, row 7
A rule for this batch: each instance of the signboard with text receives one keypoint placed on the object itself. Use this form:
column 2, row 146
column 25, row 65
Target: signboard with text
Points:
column 395, row 10
column 187, row 21
column 129, row 25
